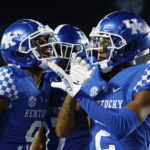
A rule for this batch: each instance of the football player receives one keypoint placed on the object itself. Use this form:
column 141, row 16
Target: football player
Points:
column 71, row 39
column 23, row 99
column 116, row 92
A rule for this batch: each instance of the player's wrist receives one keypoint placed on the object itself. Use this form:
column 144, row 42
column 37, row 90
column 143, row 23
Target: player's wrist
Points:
column 76, row 89
column 70, row 100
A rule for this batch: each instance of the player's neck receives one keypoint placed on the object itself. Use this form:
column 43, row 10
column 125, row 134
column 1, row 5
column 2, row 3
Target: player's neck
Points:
column 117, row 69
column 36, row 74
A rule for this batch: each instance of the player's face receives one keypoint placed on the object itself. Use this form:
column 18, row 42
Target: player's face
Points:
column 99, row 47
column 103, row 51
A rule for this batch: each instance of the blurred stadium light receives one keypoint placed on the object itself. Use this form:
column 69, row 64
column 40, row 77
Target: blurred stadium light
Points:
column 135, row 6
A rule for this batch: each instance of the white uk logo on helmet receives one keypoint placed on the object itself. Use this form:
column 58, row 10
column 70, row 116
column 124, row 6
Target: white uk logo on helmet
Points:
column 8, row 40
column 134, row 25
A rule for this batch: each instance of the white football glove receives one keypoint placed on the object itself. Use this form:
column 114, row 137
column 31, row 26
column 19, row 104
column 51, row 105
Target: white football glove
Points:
column 68, row 84
column 79, row 70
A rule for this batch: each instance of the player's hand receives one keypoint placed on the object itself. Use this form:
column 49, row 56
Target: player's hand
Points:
column 66, row 83
column 79, row 70
column 69, row 84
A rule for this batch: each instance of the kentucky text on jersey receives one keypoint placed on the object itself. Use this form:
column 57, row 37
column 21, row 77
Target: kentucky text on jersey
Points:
column 115, row 104
column 30, row 113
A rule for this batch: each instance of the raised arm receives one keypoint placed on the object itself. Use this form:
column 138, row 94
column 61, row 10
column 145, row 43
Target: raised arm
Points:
column 70, row 117
column 141, row 105
column 40, row 140
column 125, row 121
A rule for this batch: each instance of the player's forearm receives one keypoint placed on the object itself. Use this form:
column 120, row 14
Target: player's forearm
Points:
column 141, row 105
column 40, row 140
column 119, row 124
column 37, row 146
column 66, row 118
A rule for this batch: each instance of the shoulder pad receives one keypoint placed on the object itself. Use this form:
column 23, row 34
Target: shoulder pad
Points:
column 7, row 86
column 144, row 81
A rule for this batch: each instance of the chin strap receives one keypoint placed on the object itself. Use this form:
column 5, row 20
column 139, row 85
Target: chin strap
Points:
column 44, row 62
column 104, row 68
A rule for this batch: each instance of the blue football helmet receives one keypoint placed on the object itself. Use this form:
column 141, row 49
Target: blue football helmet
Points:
column 123, row 35
column 19, row 47
column 71, row 39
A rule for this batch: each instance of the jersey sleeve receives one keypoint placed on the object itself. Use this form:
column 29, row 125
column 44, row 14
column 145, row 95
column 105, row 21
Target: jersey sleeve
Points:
column 143, row 83
column 119, row 124
column 7, row 84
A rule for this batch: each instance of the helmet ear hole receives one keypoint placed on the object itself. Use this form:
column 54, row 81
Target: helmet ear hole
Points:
column 128, row 46
column 20, row 54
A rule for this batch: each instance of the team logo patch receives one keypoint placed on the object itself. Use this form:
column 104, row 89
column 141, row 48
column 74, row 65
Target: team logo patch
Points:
column 94, row 91
column 134, row 25
column 32, row 101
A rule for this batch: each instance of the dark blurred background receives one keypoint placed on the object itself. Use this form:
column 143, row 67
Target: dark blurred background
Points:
column 83, row 13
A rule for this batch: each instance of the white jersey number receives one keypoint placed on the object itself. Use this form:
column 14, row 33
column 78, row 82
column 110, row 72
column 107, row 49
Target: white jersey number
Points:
column 98, row 137
column 61, row 143
column 31, row 134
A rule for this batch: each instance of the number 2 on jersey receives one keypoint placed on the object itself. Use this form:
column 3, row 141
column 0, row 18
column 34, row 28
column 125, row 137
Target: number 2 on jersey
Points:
column 99, row 135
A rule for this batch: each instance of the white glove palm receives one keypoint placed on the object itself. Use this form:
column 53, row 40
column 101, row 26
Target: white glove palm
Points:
column 79, row 75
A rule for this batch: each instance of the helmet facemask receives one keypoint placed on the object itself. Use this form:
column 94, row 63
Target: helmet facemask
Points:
column 105, row 43
column 33, row 47
column 64, row 51
column 129, row 37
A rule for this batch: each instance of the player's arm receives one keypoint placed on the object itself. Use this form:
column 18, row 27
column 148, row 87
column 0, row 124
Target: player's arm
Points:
column 40, row 140
column 141, row 105
column 89, row 124
column 119, row 124
column 4, row 103
column 126, row 120
column 70, row 117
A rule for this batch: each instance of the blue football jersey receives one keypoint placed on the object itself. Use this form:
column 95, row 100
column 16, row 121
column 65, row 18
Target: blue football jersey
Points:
column 79, row 140
column 27, row 109
column 115, row 95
